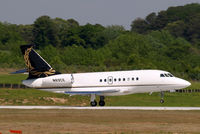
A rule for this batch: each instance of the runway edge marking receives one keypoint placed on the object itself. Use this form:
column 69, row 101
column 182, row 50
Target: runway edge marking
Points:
column 100, row 108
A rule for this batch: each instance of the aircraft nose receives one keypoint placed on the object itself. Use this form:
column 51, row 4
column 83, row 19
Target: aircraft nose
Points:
column 187, row 83
column 184, row 83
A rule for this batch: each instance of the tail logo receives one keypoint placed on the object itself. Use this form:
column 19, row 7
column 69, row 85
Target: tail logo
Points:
column 26, row 58
column 31, row 69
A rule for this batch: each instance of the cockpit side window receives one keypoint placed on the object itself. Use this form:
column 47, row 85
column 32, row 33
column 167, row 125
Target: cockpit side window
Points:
column 166, row 75
column 170, row 75
column 162, row 75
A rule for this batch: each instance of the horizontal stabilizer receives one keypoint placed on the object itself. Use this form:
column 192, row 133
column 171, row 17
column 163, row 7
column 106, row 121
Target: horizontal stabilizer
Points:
column 20, row 71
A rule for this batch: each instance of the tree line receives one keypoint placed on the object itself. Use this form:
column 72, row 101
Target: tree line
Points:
column 168, row 40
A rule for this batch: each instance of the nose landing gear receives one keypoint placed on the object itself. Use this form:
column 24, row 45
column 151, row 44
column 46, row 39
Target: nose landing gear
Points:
column 162, row 97
column 162, row 101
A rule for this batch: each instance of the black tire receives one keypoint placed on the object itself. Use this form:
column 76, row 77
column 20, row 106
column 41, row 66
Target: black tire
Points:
column 93, row 103
column 162, row 101
column 101, row 103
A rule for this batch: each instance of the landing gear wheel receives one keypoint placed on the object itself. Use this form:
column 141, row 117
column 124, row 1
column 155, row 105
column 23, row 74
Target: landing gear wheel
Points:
column 162, row 101
column 101, row 103
column 93, row 103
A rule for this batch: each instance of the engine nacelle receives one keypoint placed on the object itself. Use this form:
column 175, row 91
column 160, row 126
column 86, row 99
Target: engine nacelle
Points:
column 61, row 80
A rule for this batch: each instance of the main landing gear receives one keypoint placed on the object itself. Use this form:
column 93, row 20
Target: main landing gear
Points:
column 162, row 97
column 102, row 102
column 93, row 102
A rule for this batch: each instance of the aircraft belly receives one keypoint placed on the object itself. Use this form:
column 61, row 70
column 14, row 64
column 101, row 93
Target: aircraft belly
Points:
column 104, row 90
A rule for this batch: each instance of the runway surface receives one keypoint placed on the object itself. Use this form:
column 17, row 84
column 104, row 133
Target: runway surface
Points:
column 100, row 108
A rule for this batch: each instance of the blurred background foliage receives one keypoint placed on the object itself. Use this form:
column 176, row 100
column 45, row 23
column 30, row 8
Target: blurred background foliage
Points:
column 167, row 40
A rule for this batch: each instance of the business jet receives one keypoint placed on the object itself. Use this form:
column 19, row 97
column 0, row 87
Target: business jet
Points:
column 42, row 76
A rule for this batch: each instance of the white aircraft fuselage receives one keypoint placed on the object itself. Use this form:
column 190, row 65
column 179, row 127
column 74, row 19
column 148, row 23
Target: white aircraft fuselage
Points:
column 109, row 83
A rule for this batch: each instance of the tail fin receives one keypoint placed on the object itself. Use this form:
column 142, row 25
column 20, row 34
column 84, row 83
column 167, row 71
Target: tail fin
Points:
column 37, row 66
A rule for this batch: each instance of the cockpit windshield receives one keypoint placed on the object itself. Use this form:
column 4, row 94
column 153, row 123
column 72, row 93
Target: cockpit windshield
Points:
column 170, row 75
column 166, row 75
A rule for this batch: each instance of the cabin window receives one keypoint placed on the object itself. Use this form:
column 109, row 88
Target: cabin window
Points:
column 104, row 80
column 137, row 78
column 115, row 79
column 110, row 80
column 133, row 79
column 162, row 75
column 124, row 79
column 100, row 80
column 119, row 79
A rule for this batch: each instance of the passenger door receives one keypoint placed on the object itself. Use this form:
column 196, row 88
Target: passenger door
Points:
column 110, row 80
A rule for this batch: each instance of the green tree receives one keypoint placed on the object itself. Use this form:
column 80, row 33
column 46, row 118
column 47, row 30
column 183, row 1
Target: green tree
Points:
column 177, row 28
column 193, row 31
column 45, row 32
column 139, row 25
column 111, row 33
column 52, row 56
column 89, row 34
column 73, row 40
column 151, row 18
column 26, row 32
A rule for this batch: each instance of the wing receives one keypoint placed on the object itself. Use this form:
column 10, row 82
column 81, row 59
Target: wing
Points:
column 91, row 92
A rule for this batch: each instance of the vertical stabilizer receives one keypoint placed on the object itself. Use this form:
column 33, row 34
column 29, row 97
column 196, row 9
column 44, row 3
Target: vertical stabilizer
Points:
column 37, row 66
